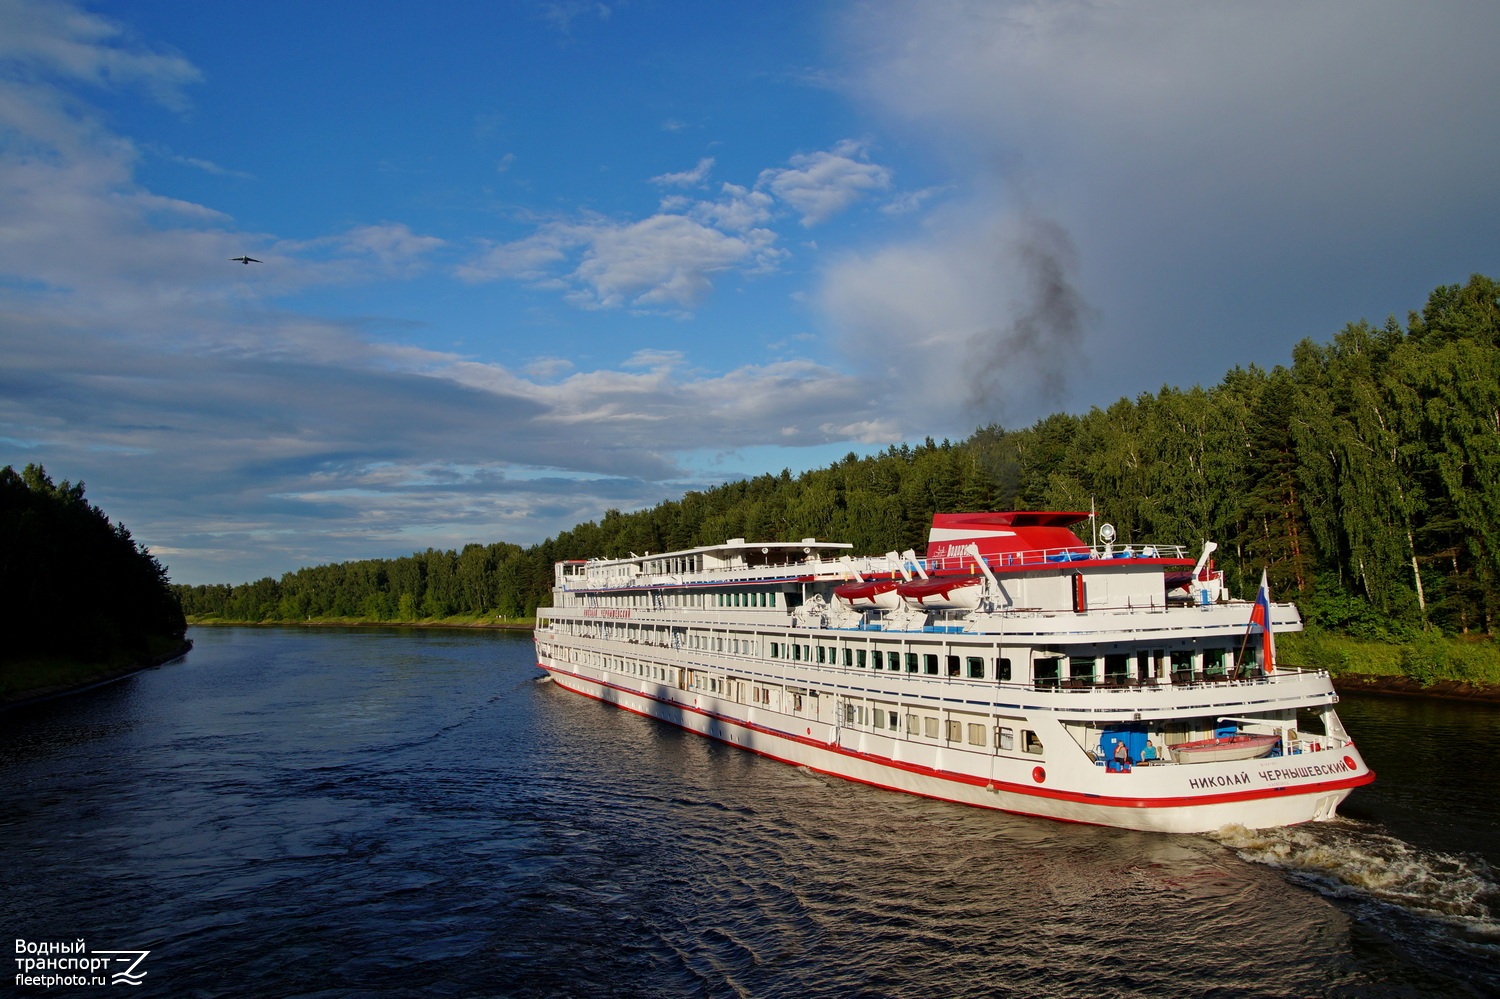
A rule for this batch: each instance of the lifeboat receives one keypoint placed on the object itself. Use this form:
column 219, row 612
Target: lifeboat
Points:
column 1224, row 749
column 875, row 594
column 943, row 592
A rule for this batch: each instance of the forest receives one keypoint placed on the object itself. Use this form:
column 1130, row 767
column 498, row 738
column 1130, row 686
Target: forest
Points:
column 84, row 595
column 1364, row 476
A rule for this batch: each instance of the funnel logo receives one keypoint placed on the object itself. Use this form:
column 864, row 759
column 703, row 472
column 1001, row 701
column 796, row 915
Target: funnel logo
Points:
column 125, row 963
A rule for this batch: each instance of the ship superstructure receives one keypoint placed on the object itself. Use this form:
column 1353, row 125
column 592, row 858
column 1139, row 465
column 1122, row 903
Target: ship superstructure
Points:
column 1012, row 666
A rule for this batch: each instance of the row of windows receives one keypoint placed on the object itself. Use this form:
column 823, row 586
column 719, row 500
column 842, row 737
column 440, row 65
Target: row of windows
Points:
column 973, row 733
column 1179, row 665
column 928, row 663
column 673, row 598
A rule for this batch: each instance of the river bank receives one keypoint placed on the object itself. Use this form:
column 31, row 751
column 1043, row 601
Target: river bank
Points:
column 24, row 683
column 482, row 623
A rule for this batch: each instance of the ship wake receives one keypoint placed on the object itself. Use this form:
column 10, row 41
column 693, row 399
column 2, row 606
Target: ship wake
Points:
column 1447, row 901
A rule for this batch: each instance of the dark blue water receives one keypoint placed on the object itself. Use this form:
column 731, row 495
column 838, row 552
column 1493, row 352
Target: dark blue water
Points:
column 362, row 813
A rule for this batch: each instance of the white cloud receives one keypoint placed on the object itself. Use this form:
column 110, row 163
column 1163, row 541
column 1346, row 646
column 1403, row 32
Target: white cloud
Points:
column 663, row 262
column 58, row 38
column 822, row 184
column 688, row 178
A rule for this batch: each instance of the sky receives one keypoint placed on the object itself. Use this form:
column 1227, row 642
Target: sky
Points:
column 523, row 262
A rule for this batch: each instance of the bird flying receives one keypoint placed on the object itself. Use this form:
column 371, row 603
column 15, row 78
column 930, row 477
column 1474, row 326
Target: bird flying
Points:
column 247, row 261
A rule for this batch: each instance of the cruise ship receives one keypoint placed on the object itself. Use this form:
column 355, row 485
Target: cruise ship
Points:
column 1012, row 666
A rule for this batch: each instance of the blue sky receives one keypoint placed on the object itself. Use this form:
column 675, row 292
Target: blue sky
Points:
column 523, row 262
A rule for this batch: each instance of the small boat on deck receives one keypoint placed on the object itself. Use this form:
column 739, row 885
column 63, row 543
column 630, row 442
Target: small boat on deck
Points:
column 943, row 592
column 1225, row 749
column 869, row 594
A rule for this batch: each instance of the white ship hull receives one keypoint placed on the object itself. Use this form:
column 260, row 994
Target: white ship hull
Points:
column 1003, row 707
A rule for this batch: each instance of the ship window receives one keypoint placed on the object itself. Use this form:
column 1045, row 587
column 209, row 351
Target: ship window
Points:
column 879, row 718
column 911, row 662
column 955, row 731
column 797, row 653
column 861, row 658
column 894, row 720
column 775, row 650
column 931, row 725
column 892, row 661
column 1030, row 742
column 929, row 663
column 1081, row 668
column 820, row 653
column 976, row 668
column 913, row 725
column 1002, row 669
column 953, row 665
column 1047, row 671
column 1213, row 662
column 976, row 734
column 1182, row 665
column 796, row 702
column 1005, row 738
column 848, row 714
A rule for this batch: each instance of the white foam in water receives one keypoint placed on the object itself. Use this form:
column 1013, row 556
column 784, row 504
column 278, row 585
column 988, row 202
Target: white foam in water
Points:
column 1349, row 859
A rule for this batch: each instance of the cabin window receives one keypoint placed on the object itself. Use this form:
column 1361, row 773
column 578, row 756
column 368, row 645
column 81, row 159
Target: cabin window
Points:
column 1002, row 669
column 849, row 657
column 1005, row 738
column 953, row 665
column 976, row 668
column 1213, row 662
column 1048, row 671
column 1182, row 665
column 1081, row 668
column 929, row 663
column 820, row 653
column 955, row 731
column 976, row 734
column 930, row 725
column 1116, row 668
column 1030, row 742
column 913, row 725
column 879, row 662
column 797, row 653
column 911, row 662
column 891, row 661
column 775, row 650
column 894, row 721
column 861, row 656
column 807, row 652
column 796, row 702
column 879, row 718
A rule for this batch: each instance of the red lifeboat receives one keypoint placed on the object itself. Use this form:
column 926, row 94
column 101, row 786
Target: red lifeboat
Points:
column 870, row 594
column 943, row 592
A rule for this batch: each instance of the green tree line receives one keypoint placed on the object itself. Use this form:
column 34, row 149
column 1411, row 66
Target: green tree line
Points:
column 1364, row 476
column 75, row 586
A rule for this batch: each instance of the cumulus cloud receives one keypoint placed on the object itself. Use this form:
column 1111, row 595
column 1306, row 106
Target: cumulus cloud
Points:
column 822, row 184
column 664, row 262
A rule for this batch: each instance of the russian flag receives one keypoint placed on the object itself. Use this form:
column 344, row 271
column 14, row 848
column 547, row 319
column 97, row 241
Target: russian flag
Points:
column 1260, row 615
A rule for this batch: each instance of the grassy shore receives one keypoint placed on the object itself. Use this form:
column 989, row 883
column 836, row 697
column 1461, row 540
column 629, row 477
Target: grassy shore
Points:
column 457, row 621
column 1426, row 660
column 33, row 677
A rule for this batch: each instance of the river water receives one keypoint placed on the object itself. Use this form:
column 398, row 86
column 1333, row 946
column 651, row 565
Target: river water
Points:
column 292, row 812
